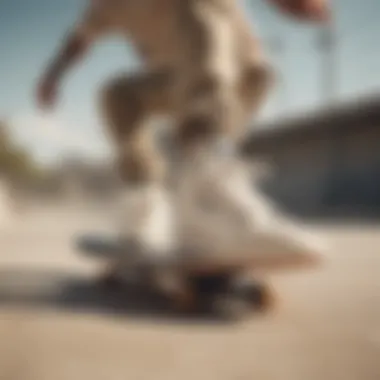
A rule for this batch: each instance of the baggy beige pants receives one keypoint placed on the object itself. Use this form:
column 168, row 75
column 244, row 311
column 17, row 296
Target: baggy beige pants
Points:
column 202, row 108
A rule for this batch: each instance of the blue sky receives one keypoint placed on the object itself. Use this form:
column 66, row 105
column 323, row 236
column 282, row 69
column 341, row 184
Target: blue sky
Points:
column 30, row 32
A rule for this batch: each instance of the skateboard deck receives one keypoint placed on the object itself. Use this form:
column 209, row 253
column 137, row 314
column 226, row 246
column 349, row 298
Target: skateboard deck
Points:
column 207, row 282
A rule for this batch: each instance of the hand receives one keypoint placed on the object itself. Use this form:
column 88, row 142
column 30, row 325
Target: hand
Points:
column 316, row 10
column 307, row 10
column 47, row 93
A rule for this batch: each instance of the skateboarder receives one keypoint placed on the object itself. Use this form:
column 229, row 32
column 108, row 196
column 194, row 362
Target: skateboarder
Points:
column 204, row 68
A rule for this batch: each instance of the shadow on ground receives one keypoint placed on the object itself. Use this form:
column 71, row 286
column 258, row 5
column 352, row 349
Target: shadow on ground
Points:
column 75, row 293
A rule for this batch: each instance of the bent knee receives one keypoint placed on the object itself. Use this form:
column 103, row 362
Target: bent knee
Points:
column 117, row 93
column 210, row 109
column 257, row 81
column 120, row 107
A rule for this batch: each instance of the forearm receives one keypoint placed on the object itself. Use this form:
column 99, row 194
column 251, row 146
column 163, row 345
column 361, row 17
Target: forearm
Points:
column 72, row 50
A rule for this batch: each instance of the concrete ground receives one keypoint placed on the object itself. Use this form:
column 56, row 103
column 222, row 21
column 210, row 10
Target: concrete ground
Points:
column 55, row 323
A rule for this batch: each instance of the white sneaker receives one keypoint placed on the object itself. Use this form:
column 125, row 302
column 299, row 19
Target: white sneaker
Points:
column 146, row 219
column 237, row 220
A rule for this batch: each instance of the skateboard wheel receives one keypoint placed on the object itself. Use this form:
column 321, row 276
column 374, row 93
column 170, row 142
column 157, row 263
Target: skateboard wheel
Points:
column 258, row 294
column 242, row 298
column 185, row 302
column 109, row 281
column 263, row 297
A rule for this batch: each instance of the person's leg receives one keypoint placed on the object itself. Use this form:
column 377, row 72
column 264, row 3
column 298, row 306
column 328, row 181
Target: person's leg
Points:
column 128, row 102
column 253, row 88
column 238, row 217
column 210, row 112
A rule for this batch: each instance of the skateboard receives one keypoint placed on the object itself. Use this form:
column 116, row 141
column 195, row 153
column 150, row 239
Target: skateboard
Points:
column 230, row 287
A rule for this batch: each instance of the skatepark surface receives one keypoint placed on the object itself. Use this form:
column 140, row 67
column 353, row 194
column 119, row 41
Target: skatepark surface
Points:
column 56, row 324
